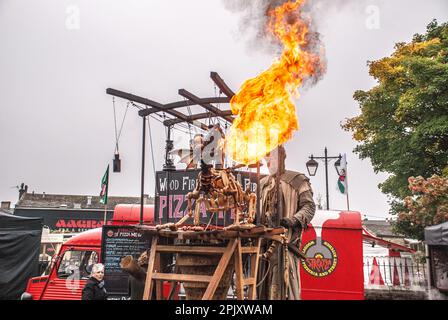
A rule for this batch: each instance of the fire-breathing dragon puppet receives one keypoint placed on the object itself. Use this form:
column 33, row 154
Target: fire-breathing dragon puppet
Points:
column 216, row 188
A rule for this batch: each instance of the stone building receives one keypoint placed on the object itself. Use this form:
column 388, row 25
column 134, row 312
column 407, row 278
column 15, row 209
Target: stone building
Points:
column 70, row 213
column 383, row 229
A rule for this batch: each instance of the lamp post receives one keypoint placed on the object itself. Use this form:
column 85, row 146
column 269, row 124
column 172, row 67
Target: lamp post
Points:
column 312, row 166
column 142, row 187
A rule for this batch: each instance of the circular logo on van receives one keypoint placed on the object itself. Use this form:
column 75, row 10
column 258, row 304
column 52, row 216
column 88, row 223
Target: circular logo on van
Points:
column 321, row 258
column 110, row 233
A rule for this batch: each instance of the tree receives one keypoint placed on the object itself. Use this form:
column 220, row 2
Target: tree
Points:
column 427, row 206
column 403, row 125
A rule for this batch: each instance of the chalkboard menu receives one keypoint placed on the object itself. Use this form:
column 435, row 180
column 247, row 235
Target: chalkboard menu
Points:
column 118, row 242
column 171, row 196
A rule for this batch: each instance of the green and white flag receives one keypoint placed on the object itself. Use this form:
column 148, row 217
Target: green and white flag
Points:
column 342, row 180
column 104, row 186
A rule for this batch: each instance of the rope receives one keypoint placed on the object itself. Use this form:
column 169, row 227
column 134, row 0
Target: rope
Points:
column 152, row 149
column 122, row 123
column 189, row 113
column 211, row 218
column 266, row 274
column 118, row 132
column 115, row 124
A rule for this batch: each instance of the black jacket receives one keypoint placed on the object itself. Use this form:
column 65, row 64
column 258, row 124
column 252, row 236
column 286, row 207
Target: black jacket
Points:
column 136, row 288
column 94, row 290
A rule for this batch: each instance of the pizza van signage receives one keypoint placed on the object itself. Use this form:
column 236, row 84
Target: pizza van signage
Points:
column 333, row 267
column 321, row 258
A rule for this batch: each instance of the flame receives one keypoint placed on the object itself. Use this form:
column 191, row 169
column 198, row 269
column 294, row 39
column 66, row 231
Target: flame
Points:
column 266, row 114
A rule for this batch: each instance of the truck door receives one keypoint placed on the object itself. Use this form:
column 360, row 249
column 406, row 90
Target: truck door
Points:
column 70, row 274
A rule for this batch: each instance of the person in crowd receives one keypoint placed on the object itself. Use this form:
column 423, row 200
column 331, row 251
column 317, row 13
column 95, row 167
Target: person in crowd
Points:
column 94, row 288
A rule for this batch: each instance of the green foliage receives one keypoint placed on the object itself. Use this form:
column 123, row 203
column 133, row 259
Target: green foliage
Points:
column 403, row 125
column 427, row 206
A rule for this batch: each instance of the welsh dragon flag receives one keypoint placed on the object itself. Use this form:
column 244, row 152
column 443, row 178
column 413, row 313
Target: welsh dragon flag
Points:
column 342, row 180
column 104, row 186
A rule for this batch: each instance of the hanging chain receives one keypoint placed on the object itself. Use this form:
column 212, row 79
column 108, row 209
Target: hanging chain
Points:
column 118, row 132
column 152, row 148
column 189, row 113
column 122, row 122
column 115, row 125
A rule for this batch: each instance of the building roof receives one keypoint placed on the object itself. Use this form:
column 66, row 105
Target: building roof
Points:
column 61, row 201
column 381, row 228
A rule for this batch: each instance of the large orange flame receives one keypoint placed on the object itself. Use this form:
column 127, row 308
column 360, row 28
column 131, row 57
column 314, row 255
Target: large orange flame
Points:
column 266, row 114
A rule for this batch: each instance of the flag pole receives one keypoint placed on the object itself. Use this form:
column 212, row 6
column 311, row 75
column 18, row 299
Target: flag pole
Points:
column 105, row 214
column 348, row 202
column 346, row 184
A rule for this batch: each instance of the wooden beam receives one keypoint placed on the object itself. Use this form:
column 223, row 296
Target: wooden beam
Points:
column 186, row 103
column 239, row 271
column 275, row 231
column 152, row 257
column 250, row 282
column 159, row 284
column 182, row 277
column 254, row 260
column 214, row 110
column 221, row 84
column 277, row 238
column 222, row 266
column 191, row 250
column 194, row 117
column 246, row 250
column 133, row 97
column 156, row 105
column 173, row 286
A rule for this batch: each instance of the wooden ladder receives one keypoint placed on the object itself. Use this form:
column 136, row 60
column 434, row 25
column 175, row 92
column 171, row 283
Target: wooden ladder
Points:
column 234, row 249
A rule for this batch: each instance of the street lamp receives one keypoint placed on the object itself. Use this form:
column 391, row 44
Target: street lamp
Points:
column 312, row 166
column 337, row 165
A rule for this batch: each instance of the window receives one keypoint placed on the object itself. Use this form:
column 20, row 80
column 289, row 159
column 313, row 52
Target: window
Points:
column 75, row 262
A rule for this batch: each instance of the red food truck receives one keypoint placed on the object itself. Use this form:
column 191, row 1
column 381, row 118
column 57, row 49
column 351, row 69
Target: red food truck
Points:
column 333, row 269
column 70, row 268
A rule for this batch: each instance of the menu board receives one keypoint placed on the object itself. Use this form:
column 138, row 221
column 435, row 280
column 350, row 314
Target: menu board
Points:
column 118, row 242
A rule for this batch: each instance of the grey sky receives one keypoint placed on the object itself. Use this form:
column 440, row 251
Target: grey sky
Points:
column 56, row 124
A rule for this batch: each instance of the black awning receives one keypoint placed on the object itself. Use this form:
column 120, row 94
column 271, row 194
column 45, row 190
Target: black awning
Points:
column 19, row 253
column 437, row 235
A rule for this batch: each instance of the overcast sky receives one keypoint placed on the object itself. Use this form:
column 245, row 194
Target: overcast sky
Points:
column 57, row 57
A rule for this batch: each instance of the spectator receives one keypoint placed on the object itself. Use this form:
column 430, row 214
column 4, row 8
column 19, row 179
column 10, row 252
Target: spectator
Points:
column 94, row 288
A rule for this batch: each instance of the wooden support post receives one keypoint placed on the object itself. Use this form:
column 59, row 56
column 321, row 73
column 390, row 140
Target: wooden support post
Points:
column 214, row 282
column 239, row 270
column 152, row 256
column 233, row 250
column 159, row 284
column 255, row 258
column 173, row 286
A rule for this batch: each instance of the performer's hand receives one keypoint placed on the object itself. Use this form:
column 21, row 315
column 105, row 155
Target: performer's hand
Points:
column 289, row 222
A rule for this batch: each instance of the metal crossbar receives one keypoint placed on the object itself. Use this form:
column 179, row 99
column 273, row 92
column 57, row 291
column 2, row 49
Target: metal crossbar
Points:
column 190, row 100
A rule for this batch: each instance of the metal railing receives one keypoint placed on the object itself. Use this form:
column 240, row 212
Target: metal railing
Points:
column 399, row 273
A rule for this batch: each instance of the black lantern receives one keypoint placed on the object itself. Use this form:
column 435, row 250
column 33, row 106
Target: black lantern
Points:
column 117, row 163
column 311, row 166
column 337, row 165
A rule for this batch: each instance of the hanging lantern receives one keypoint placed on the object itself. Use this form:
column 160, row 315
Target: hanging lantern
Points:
column 117, row 163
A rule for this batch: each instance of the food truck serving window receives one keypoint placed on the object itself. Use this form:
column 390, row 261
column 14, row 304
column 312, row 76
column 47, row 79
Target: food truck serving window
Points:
column 77, row 263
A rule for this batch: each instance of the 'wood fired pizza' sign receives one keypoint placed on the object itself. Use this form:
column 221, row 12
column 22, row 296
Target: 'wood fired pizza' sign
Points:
column 171, row 196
